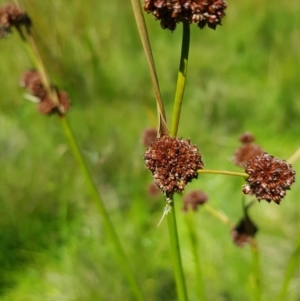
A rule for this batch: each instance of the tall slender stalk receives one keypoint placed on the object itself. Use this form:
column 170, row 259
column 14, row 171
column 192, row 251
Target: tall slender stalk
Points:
column 256, row 281
column 181, row 79
column 34, row 54
column 191, row 225
column 293, row 264
column 175, row 251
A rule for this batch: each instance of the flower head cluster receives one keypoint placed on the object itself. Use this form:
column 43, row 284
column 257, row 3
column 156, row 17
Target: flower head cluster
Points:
column 32, row 81
column 243, row 231
column 11, row 15
column 194, row 199
column 269, row 178
column 246, row 151
column 201, row 12
column 173, row 162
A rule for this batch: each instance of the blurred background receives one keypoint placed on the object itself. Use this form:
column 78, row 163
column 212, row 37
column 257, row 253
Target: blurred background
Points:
column 242, row 77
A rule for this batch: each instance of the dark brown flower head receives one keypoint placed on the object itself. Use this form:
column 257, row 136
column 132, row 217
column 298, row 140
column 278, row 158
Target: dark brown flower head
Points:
column 246, row 138
column 243, row 231
column 173, row 162
column 31, row 80
column 247, row 151
column 194, row 199
column 201, row 12
column 11, row 15
column 148, row 136
column 269, row 178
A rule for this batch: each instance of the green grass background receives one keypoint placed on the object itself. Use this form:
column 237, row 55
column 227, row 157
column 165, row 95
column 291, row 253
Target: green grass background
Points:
column 243, row 76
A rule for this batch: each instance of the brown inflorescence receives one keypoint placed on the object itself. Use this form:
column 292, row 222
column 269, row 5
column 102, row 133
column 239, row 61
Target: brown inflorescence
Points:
column 243, row 231
column 32, row 81
column 11, row 15
column 246, row 151
column 269, row 178
column 148, row 136
column 194, row 199
column 201, row 12
column 173, row 162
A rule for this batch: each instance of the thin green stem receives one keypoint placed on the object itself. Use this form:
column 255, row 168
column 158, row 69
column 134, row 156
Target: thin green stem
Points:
column 191, row 225
column 140, row 21
column 175, row 250
column 182, row 73
column 224, row 172
column 219, row 215
column 33, row 52
column 256, row 281
column 293, row 264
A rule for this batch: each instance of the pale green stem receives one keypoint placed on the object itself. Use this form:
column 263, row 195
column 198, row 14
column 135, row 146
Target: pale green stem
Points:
column 140, row 21
column 292, row 266
column 219, row 215
column 256, row 281
column 124, row 263
column 223, row 172
column 175, row 251
column 182, row 73
column 192, row 232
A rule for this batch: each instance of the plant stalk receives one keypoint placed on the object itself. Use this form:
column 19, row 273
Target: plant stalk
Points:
column 181, row 79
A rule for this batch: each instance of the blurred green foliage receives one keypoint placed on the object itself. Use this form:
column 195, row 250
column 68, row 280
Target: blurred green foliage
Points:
column 243, row 76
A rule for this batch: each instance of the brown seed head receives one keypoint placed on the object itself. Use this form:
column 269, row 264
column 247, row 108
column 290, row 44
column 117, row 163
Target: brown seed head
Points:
column 173, row 162
column 47, row 107
column 243, row 231
column 246, row 152
column 11, row 15
column 246, row 138
column 269, row 178
column 201, row 12
column 148, row 136
column 194, row 199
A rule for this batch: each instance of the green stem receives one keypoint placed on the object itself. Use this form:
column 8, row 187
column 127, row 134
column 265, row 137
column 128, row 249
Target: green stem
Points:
column 124, row 264
column 33, row 53
column 191, row 225
column 293, row 264
column 175, row 250
column 256, row 271
column 224, row 172
column 219, row 215
column 182, row 73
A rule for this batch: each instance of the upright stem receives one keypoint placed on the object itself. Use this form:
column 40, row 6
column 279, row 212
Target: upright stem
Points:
column 34, row 54
column 256, row 271
column 175, row 250
column 182, row 73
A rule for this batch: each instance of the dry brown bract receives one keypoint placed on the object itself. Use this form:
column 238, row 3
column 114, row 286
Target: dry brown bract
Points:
column 269, row 178
column 201, row 12
column 11, row 15
column 173, row 162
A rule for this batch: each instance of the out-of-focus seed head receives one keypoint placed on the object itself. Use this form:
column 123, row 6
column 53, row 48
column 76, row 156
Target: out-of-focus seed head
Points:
column 269, row 178
column 201, row 12
column 173, row 163
column 148, row 136
column 153, row 190
column 11, row 15
column 31, row 80
column 194, row 199
column 246, row 138
column 243, row 231
column 247, row 151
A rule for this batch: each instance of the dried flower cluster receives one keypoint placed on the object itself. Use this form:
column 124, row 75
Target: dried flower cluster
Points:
column 201, row 12
column 247, row 151
column 244, row 231
column 173, row 162
column 11, row 15
column 269, row 178
column 194, row 199
column 32, row 81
